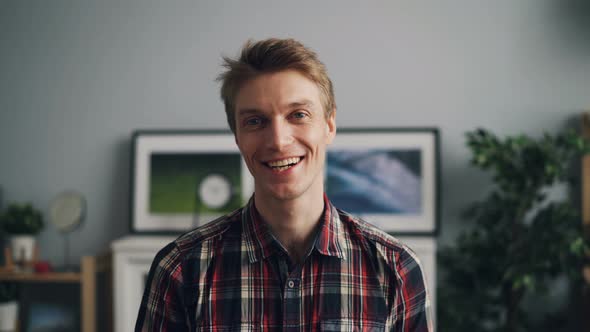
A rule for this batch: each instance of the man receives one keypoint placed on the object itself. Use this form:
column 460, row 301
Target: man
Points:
column 288, row 260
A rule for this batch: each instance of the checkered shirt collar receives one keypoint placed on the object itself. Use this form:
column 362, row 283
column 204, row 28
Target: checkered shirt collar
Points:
column 260, row 243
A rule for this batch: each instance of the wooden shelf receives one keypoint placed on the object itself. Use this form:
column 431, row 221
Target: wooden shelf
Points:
column 86, row 278
column 65, row 277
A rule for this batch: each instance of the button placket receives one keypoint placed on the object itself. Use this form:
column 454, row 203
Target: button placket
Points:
column 292, row 305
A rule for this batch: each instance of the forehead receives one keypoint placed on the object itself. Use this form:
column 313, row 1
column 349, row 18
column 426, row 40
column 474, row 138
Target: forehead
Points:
column 277, row 89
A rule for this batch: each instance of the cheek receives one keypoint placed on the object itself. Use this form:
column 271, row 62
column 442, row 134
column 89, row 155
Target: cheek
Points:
column 320, row 139
column 246, row 154
column 249, row 161
column 249, row 153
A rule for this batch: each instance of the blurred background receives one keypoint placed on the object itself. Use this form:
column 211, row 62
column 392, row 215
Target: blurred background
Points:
column 78, row 77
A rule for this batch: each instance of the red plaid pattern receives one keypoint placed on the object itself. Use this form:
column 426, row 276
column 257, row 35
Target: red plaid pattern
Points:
column 233, row 275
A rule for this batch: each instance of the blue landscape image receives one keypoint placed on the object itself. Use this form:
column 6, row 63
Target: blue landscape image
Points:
column 376, row 181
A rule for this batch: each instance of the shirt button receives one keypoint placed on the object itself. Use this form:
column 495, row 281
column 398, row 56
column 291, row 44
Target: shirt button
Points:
column 291, row 284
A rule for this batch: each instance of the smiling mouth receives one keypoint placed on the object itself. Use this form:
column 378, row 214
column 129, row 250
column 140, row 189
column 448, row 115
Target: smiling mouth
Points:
column 283, row 165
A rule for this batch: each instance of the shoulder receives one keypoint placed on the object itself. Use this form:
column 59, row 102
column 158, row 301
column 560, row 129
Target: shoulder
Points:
column 211, row 232
column 367, row 231
column 387, row 247
column 199, row 243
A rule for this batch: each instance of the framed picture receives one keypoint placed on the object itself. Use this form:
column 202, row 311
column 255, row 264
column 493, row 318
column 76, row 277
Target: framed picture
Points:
column 183, row 179
column 389, row 177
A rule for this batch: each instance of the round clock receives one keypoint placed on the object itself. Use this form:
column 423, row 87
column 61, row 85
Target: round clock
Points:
column 215, row 191
column 67, row 210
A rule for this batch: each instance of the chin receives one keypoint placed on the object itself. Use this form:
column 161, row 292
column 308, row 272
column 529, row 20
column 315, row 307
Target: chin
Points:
column 285, row 194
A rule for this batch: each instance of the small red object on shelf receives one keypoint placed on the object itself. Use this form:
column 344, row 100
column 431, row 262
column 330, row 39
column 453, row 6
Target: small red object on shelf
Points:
column 42, row 267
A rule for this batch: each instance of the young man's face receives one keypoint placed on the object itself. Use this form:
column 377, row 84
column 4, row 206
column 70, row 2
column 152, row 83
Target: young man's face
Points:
column 282, row 133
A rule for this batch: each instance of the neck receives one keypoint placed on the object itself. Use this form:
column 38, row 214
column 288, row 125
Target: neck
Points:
column 293, row 221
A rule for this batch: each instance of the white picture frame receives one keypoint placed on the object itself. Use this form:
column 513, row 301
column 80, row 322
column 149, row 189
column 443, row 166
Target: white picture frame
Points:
column 387, row 176
column 169, row 167
column 402, row 164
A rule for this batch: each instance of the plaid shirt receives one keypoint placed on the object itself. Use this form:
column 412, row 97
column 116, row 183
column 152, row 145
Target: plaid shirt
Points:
column 233, row 275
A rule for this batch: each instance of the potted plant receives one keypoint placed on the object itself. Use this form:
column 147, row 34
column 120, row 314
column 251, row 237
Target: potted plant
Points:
column 522, row 236
column 8, row 306
column 21, row 222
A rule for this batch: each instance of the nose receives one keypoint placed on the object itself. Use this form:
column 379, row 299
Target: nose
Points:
column 278, row 135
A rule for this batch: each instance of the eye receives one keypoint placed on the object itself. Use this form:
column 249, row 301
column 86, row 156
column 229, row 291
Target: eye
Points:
column 299, row 115
column 253, row 121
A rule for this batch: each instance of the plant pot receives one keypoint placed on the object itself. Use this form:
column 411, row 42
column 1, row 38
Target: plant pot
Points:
column 22, row 247
column 8, row 316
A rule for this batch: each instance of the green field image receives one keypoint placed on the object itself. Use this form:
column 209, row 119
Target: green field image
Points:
column 175, row 179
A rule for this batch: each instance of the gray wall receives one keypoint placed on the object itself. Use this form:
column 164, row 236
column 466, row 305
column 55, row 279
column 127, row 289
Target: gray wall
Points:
column 77, row 77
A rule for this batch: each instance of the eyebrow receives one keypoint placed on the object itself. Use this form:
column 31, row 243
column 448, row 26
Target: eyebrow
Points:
column 247, row 111
column 295, row 104
column 304, row 102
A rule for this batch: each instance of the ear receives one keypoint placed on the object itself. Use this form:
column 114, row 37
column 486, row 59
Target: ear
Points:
column 331, row 126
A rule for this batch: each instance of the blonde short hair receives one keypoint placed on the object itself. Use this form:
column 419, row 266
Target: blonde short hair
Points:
column 268, row 56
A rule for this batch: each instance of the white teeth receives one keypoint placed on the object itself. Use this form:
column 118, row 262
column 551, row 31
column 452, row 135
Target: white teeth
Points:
column 282, row 164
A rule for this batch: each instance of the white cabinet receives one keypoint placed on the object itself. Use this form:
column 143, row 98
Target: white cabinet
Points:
column 132, row 258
